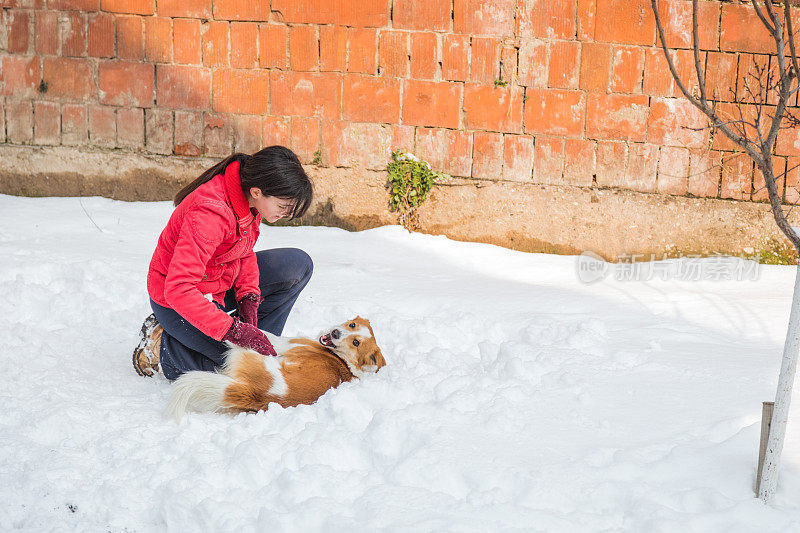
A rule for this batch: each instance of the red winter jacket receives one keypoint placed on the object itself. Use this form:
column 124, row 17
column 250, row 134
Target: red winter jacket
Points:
column 207, row 248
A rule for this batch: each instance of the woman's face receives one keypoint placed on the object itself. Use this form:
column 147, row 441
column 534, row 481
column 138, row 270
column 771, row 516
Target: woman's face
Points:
column 271, row 208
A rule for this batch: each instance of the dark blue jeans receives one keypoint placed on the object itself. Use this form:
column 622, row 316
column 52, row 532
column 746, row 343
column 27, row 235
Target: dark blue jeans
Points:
column 283, row 273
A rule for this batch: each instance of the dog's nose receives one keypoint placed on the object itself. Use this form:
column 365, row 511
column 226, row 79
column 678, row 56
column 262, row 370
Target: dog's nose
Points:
column 335, row 333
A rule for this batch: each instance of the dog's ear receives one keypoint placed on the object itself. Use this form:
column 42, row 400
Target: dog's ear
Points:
column 375, row 358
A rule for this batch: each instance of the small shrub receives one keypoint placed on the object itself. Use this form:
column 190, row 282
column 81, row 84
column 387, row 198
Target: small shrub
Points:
column 410, row 181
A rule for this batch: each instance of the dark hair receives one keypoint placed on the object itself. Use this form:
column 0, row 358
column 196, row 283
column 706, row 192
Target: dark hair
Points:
column 275, row 170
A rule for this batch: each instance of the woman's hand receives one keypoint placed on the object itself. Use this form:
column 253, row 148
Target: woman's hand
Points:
column 249, row 336
column 248, row 308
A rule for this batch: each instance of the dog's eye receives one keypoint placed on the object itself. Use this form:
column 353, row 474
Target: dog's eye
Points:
column 355, row 342
column 352, row 324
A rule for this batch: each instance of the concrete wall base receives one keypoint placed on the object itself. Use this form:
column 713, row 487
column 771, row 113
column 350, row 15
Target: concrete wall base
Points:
column 533, row 218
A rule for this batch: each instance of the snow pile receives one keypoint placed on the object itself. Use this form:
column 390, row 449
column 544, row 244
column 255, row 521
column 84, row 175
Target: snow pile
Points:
column 515, row 396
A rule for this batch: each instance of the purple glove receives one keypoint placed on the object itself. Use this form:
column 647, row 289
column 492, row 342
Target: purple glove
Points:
column 248, row 308
column 249, row 336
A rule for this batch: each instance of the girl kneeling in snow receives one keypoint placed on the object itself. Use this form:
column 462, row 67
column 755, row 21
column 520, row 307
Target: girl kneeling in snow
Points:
column 204, row 265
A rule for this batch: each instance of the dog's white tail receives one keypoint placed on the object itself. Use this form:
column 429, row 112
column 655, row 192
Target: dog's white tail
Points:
column 197, row 391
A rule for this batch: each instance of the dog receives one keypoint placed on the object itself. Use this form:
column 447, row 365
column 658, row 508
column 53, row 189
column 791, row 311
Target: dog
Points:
column 303, row 370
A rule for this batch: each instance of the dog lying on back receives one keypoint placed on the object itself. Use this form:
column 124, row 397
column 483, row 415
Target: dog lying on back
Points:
column 303, row 370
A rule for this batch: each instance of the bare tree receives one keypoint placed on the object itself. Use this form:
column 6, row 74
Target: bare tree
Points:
column 755, row 130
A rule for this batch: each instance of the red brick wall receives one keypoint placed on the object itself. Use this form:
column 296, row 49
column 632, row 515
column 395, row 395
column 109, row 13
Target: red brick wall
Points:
column 567, row 92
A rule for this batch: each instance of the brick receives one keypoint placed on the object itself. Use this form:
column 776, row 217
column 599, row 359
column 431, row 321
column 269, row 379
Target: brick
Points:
column 579, row 162
column 487, row 155
column 215, row 44
column 628, row 69
column 742, row 31
column 130, row 37
column 737, row 176
column 351, row 145
column 508, row 64
column 100, row 35
column 478, row 17
column 20, row 76
column 46, row 33
column 612, row 160
column 240, row 91
column 616, row 116
column 548, row 161
column 102, row 126
column 158, row 124
column 517, row 157
column 493, row 108
column 246, row 133
column 448, row 151
column 362, row 43
column 760, row 192
column 333, row 48
column 595, row 67
column 673, row 170
column 658, row 80
column 485, row 64
column 554, row 112
column 126, row 83
column 676, row 16
column 196, row 9
column 74, row 125
column 533, row 63
column 751, row 68
column 19, row 121
column 188, row 133
column 244, row 45
column 670, row 119
column 216, row 136
column 369, row 13
column 73, row 34
column 428, row 103
column 305, row 94
column 423, row 55
column 455, row 57
column 564, row 64
column 792, row 189
column 414, row 15
column 186, row 43
column 640, row 173
column 275, row 131
column 46, row 123
column 136, row 7
column 393, row 54
column 273, row 45
column 788, row 142
column 625, row 22
column 721, row 76
column 370, row 99
column 183, row 87
column 130, row 128
column 76, row 5
column 587, row 15
column 68, row 79
column 305, row 138
column 303, row 48
column 403, row 138
column 19, row 23
column 158, row 39
column 550, row 19
column 704, row 173
column 241, row 10
column 727, row 112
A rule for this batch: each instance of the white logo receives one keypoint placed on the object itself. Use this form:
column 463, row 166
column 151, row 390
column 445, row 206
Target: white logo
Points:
column 591, row 267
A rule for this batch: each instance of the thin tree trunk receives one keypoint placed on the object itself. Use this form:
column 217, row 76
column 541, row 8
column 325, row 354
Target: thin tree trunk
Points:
column 783, row 398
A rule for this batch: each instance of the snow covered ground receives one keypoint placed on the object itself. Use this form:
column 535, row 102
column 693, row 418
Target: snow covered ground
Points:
column 516, row 397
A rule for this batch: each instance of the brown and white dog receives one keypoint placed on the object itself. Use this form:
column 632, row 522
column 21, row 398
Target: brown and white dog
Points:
column 303, row 370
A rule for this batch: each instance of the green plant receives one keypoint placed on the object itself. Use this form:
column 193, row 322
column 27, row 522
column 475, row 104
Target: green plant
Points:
column 410, row 181
column 500, row 83
column 317, row 161
column 776, row 252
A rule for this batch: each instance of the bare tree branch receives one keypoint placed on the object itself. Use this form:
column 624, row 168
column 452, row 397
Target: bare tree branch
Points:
column 762, row 17
column 701, row 78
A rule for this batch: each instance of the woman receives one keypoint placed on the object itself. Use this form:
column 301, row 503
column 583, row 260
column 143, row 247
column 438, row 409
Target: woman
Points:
column 204, row 266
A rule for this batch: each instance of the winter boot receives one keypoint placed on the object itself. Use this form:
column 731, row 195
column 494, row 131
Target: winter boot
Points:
column 146, row 353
